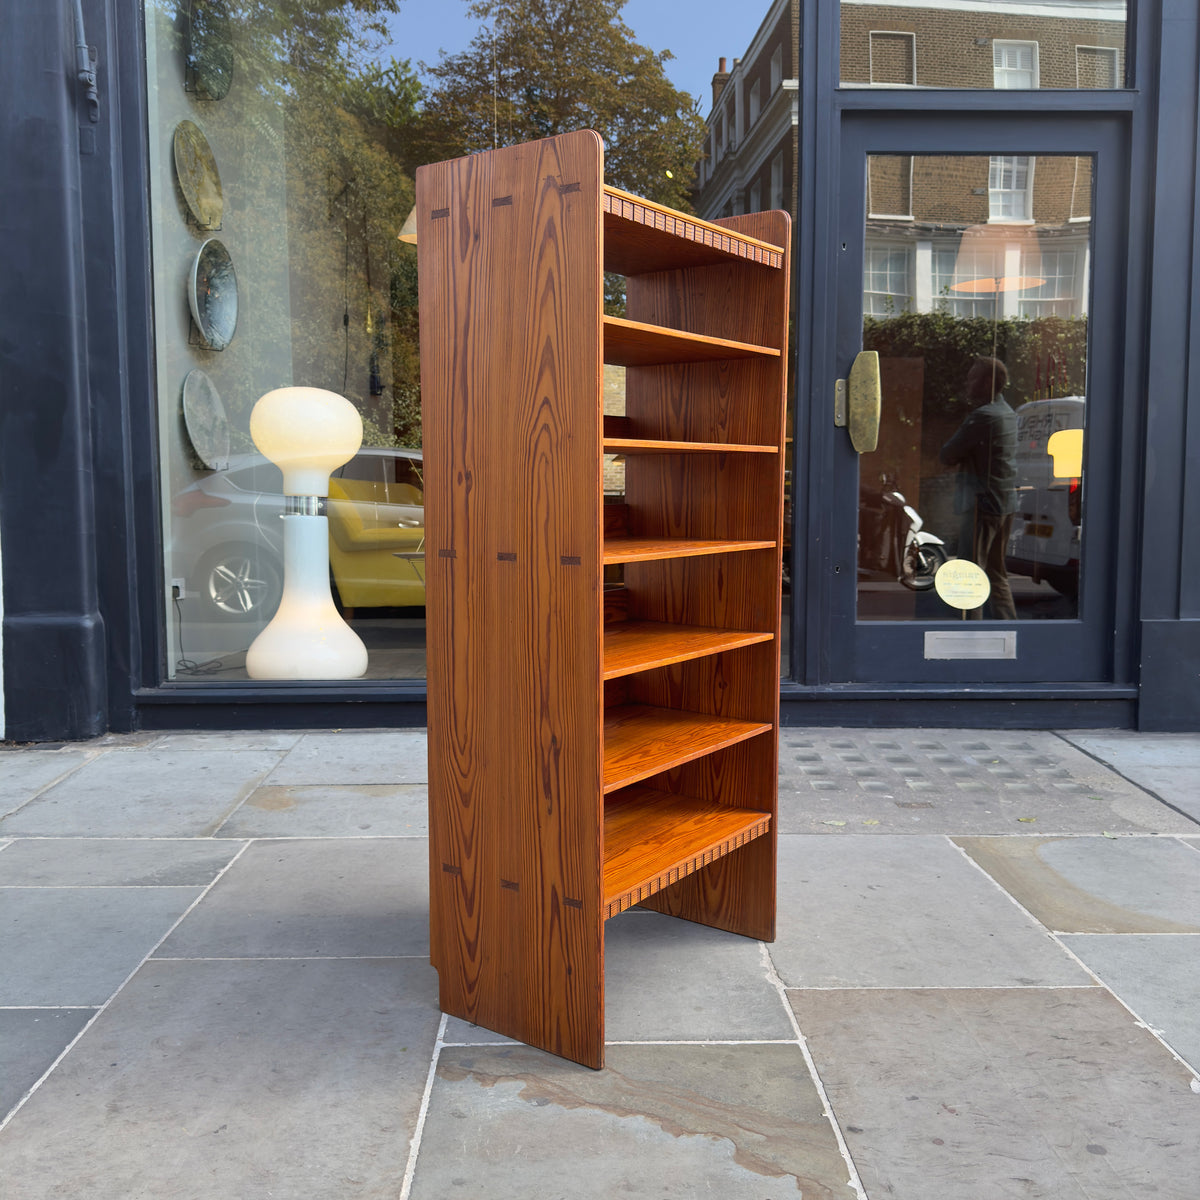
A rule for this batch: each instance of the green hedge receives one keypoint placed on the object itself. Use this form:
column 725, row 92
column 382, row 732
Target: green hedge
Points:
column 1045, row 356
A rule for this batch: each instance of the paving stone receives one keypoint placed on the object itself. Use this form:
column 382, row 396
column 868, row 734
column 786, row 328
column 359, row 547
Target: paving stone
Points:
column 1126, row 749
column 393, row 756
column 235, row 1079
column 661, row 1122
column 150, row 792
column 1157, row 976
column 105, row 862
column 666, row 979
column 222, row 740
column 1097, row 884
column 30, row 1040
column 328, row 810
column 863, row 911
column 977, row 784
column 1053, row 1094
column 73, row 947
column 24, row 773
column 285, row 899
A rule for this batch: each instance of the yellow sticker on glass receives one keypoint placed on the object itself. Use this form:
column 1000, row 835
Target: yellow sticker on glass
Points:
column 962, row 584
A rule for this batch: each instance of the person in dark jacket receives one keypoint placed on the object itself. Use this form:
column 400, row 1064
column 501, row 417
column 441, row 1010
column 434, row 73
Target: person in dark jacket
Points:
column 985, row 449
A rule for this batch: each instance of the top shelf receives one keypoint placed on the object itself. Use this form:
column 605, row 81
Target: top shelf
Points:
column 641, row 236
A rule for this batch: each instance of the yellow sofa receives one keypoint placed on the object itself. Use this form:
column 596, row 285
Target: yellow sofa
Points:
column 370, row 524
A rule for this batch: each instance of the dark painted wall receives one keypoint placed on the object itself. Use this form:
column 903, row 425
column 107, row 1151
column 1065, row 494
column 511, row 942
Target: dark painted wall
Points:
column 1169, row 574
column 54, row 638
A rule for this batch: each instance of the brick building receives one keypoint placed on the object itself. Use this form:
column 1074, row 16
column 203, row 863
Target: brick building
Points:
column 751, row 147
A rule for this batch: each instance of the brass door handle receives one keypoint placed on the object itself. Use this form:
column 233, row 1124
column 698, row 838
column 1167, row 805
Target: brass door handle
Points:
column 857, row 402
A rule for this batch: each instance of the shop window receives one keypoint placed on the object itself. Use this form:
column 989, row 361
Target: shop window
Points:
column 983, row 43
column 276, row 198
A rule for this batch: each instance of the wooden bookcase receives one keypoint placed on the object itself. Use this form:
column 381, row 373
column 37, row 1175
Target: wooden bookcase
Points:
column 592, row 747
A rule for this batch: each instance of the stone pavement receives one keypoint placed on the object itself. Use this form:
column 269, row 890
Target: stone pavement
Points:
column 214, row 983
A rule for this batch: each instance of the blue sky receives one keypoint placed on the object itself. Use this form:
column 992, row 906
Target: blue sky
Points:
column 697, row 33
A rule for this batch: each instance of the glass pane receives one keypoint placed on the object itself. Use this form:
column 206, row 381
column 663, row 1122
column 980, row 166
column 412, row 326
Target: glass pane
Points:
column 981, row 328
column 274, row 155
column 983, row 43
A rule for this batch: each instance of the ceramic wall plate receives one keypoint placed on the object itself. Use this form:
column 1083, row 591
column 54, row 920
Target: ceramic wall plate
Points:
column 196, row 171
column 213, row 295
column 208, row 46
column 206, row 421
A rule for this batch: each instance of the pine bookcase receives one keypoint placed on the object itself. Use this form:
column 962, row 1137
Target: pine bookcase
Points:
column 594, row 747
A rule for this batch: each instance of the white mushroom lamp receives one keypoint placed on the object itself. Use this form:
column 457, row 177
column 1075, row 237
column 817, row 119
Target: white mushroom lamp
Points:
column 306, row 432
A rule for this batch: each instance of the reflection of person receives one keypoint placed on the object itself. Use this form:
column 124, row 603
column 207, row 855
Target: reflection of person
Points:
column 984, row 449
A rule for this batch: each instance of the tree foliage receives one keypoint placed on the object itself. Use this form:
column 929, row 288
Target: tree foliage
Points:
column 542, row 67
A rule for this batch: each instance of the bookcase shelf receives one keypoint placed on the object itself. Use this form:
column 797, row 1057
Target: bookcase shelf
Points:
column 592, row 748
column 641, row 740
column 637, row 344
column 624, row 445
column 640, row 549
column 633, row 646
column 653, row 839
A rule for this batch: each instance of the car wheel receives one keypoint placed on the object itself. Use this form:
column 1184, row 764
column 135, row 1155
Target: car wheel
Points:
column 239, row 583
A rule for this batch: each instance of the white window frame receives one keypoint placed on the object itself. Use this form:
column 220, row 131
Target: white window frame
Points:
column 1111, row 51
column 777, row 181
column 776, row 69
column 1026, row 191
column 755, row 100
column 871, row 36
column 878, row 216
column 1065, row 288
column 755, row 196
column 1001, row 74
column 906, row 297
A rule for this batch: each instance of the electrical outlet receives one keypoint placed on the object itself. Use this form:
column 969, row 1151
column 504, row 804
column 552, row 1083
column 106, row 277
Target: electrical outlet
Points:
column 177, row 589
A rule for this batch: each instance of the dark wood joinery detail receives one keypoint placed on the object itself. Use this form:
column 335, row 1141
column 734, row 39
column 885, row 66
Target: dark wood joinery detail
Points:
column 592, row 748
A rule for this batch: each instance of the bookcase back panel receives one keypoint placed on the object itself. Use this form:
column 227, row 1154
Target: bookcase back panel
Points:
column 733, row 496
column 707, row 402
column 728, row 591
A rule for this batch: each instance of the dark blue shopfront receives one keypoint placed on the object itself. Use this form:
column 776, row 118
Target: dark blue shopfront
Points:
column 129, row 595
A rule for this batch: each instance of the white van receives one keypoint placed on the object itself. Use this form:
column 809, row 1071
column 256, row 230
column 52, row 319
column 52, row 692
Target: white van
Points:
column 1045, row 531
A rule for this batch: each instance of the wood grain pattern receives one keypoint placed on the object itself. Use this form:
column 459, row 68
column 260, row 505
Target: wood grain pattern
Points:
column 552, row 700
column 631, row 549
column 641, row 236
column 633, row 646
column 653, row 839
column 641, row 741
column 637, row 344
column 511, row 340
column 735, row 892
column 630, row 445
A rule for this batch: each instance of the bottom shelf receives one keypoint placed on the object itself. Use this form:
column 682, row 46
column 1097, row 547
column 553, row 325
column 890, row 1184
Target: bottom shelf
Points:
column 652, row 839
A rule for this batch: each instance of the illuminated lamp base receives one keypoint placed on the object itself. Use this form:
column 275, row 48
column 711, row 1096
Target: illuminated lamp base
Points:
column 307, row 637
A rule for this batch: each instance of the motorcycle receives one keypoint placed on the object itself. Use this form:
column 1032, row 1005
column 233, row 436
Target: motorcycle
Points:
column 892, row 539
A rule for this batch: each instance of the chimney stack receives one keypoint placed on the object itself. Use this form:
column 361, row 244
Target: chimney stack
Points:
column 719, row 80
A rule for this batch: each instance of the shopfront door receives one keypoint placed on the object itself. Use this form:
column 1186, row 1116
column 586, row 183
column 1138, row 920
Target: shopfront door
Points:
column 980, row 266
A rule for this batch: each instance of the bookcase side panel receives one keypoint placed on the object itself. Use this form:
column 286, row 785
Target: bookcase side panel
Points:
column 510, row 290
